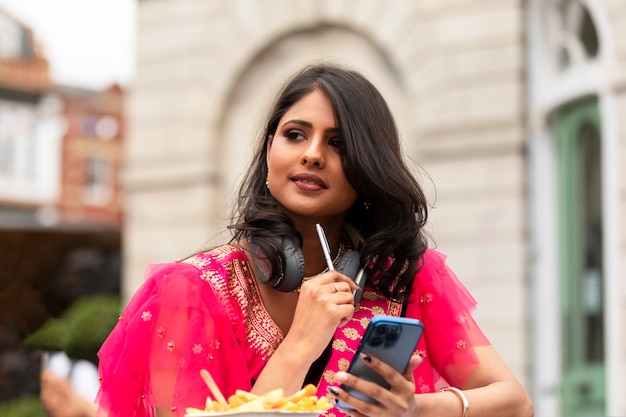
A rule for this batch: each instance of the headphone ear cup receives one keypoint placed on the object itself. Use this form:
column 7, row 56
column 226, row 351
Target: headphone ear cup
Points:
column 349, row 266
column 349, row 263
column 291, row 277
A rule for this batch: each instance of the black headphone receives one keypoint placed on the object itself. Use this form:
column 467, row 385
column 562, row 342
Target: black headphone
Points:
column 292, row 265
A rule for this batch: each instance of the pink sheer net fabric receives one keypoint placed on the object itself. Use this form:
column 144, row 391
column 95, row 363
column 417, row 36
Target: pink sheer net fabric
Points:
column 191, row 317
column 174, row 326
column 444, row 306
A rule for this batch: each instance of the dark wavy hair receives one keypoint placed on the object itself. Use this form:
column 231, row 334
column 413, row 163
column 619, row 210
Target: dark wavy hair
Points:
column 392, row 226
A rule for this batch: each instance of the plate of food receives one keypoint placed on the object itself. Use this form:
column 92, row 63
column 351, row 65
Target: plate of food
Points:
column 267, row 413
column 303, row 403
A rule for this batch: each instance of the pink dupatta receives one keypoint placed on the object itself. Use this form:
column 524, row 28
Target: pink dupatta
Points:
column 207, row 313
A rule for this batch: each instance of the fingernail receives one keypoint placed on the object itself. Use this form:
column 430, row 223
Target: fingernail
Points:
column 341, row 376
column 333, row 390
column 366, row 357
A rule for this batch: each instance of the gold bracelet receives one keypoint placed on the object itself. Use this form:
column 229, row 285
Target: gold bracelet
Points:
column 461, row 396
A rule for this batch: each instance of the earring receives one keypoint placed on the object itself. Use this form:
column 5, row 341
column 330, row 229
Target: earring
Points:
column 267, row 184
column 367, row 204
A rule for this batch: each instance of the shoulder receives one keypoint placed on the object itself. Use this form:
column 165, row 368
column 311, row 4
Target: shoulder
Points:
column 221, row 258
column 433, row 261
column 209, row 277
column 214, row 266
column 434, row 273
column 228, row 271
column 435, row 279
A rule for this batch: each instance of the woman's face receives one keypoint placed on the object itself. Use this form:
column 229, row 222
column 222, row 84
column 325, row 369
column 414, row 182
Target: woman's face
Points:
column 305, row 174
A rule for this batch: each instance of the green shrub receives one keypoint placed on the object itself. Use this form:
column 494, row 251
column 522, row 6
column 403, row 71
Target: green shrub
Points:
column 27, row 406
column 50, row 336
column 81, row 329
column 90, row 320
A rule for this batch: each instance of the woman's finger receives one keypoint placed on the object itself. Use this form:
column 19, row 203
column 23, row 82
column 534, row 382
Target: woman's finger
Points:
column 414, row 362
column 397, row 381
column 359, row 405
column 397, row 398
column 337, row 278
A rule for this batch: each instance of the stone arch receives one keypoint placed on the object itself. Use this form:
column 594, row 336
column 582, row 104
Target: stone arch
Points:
column 551, row 87
column 254, row 88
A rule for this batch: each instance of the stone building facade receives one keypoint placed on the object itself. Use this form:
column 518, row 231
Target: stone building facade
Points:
column 478, row 87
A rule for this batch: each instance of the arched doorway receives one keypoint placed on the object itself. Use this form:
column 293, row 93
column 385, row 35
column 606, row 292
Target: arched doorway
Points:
column 578, row 135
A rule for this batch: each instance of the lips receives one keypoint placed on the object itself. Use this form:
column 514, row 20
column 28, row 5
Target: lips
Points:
column 309, row 182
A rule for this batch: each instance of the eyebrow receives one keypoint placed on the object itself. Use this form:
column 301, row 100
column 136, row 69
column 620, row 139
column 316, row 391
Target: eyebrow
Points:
column 309, row 125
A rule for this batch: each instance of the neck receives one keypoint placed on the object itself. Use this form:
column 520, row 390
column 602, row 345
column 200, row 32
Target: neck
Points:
column 336, row 259
column 315, row 261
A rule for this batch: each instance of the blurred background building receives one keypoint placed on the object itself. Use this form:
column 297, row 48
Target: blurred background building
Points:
column 60, row 199
column 513, row 112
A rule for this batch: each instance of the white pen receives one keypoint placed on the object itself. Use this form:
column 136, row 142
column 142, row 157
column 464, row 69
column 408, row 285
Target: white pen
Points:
column 325, row 246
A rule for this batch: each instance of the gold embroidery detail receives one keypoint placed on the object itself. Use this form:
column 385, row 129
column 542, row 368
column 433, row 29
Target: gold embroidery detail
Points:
column 426, row 298
column 329, row 376
column 363, row 322
column 234, row 281
column 341, row 346
column 343, row 364
column 369, row 295
column 351, row 333
column 395, row 309
column 197, row 261
column 377, row 311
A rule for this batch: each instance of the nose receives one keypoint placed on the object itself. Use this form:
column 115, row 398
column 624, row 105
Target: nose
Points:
column 314, row 153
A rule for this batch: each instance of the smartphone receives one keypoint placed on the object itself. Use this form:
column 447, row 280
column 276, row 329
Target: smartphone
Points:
column 391, row 339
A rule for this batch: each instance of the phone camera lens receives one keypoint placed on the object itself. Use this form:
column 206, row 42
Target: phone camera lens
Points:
column 376, row 341
column 391, row 337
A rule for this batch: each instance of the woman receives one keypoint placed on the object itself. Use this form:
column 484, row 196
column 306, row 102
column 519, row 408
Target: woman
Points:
column 264, row 311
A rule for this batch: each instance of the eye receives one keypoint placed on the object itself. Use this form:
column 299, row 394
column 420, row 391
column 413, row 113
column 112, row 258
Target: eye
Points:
column 294, row 135
column 336, row 142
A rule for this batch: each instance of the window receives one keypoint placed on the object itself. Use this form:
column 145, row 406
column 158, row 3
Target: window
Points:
column 15, row 41
column 573, row 35
column 97, row 182
column 18, row 154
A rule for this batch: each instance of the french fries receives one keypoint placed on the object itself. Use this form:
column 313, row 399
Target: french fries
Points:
column 303, row 400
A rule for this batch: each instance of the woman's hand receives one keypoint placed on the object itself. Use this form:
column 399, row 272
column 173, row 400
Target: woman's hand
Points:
column 398, row 400
column 325, row 303
column 60, row 400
